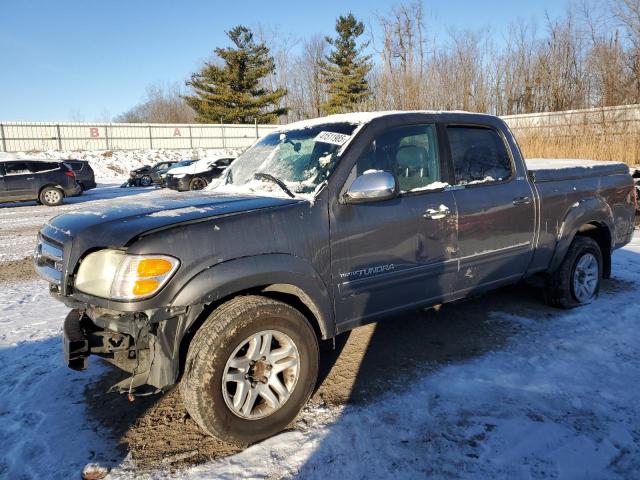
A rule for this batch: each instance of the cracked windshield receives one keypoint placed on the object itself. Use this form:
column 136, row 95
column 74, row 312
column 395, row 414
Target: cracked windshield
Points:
column 296, row 160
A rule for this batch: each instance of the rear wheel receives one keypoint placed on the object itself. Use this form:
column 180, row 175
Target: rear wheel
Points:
column 577, row 280
column 250, row 368
column 51, row 196
column 197, row 183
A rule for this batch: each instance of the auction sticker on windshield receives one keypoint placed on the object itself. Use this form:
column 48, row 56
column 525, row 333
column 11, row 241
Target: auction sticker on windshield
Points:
column 332, row 137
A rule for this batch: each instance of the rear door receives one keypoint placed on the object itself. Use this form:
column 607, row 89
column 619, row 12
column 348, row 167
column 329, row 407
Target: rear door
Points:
column 393, row 254
column 19, row 181
column 496, row 218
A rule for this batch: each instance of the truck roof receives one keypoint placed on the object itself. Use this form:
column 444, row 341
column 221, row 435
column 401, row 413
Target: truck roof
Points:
column 359, row 118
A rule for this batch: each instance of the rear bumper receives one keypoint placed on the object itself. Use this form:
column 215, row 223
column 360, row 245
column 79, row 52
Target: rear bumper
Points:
column 87, row 184
column 73, row 191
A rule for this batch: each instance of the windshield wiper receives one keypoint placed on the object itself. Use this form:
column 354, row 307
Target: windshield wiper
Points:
column 277, row 181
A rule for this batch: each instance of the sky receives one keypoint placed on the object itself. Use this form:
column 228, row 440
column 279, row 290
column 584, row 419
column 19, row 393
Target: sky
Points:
column 71, row 60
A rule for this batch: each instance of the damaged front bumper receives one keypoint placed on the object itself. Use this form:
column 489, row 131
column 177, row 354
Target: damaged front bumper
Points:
column 147, row 349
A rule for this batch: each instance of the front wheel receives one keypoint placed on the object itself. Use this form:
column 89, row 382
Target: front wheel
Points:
column 51, row 196
column 250, row 369
column 577, row 280
column 146, row 181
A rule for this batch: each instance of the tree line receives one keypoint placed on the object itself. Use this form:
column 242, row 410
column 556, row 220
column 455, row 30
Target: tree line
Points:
column 587, row 57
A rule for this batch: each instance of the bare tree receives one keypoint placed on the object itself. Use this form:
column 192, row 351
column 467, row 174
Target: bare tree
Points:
column 162, row 104
column 627, row 12
column 400, row 77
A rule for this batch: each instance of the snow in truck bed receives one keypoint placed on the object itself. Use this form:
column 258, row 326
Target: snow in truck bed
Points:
column 546, row 169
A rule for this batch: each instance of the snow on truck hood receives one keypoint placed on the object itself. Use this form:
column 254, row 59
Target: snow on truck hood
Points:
column 121, row 220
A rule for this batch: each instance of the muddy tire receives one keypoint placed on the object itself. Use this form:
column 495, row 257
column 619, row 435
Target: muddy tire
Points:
column 577, row 280
column 250, row 369
column 197, row 183
column 51, row 196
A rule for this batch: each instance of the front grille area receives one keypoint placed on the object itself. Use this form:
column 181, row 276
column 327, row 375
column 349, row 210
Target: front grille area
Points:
column 48, row 260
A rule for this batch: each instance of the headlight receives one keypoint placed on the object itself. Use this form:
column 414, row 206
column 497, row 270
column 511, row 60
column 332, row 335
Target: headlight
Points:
column 120, row 276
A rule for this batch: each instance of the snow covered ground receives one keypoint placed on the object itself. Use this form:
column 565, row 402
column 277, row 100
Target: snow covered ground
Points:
column 560, row 400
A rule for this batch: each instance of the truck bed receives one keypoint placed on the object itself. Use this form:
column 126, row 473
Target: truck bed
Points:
column 553, row 169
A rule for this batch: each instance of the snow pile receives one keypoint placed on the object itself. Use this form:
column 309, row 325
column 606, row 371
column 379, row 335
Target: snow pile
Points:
column 112, row 164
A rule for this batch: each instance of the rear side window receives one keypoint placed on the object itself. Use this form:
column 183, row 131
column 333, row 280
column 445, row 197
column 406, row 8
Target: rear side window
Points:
column 16, row 168
column 37, row 167
column 410, row 153
column 75, row 166
column 479, row 155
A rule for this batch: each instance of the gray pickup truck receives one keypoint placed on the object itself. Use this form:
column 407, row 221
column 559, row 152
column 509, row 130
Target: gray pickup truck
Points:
column 318, row 228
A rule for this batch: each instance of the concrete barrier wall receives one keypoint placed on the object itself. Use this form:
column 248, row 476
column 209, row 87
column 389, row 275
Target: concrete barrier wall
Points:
column 28, row 136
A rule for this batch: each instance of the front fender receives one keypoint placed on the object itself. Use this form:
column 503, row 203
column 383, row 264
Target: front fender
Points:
column 295, row 274
column 588, row 210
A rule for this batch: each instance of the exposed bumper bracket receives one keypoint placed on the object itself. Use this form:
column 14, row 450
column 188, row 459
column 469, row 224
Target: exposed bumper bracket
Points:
column 75, row 343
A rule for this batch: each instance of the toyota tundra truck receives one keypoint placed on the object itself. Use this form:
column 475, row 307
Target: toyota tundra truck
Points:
column 318, row 228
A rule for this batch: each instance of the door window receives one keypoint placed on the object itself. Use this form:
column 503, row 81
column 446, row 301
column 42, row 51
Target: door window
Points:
column 16, row 168
column 36, row 167
column 410, row 153
column 479, row 155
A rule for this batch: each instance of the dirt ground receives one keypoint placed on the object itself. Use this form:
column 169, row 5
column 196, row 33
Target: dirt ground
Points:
column 371, row 360
column 17, row 270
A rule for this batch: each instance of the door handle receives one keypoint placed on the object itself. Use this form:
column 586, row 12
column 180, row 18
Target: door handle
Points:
column 436, row 213
column 30, row 178
column 522, row 201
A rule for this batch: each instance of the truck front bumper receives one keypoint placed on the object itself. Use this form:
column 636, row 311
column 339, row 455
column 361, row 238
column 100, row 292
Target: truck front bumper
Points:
column 146, row 347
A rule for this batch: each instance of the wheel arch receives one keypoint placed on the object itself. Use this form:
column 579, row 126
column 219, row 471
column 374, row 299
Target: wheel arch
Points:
column 590, row 217
column 285, row 277
column 49, row 184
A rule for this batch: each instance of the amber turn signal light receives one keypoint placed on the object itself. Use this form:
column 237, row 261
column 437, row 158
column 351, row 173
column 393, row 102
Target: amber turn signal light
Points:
column 153, row 267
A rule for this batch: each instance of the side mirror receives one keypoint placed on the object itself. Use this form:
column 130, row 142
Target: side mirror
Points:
column 372, row 187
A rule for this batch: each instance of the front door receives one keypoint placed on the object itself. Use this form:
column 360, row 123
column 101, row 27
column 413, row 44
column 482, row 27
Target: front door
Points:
column 496, row 217
column 398, row 253
column 19, row 181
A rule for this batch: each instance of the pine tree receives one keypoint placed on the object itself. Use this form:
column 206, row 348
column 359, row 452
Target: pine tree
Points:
column 345, row 69
column 233, row 91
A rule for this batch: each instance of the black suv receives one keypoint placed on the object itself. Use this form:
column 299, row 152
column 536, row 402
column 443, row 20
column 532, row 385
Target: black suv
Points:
column 46, row 182
column 84, row 173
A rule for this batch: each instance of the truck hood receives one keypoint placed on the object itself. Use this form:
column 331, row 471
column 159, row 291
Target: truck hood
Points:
column 115, row 224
